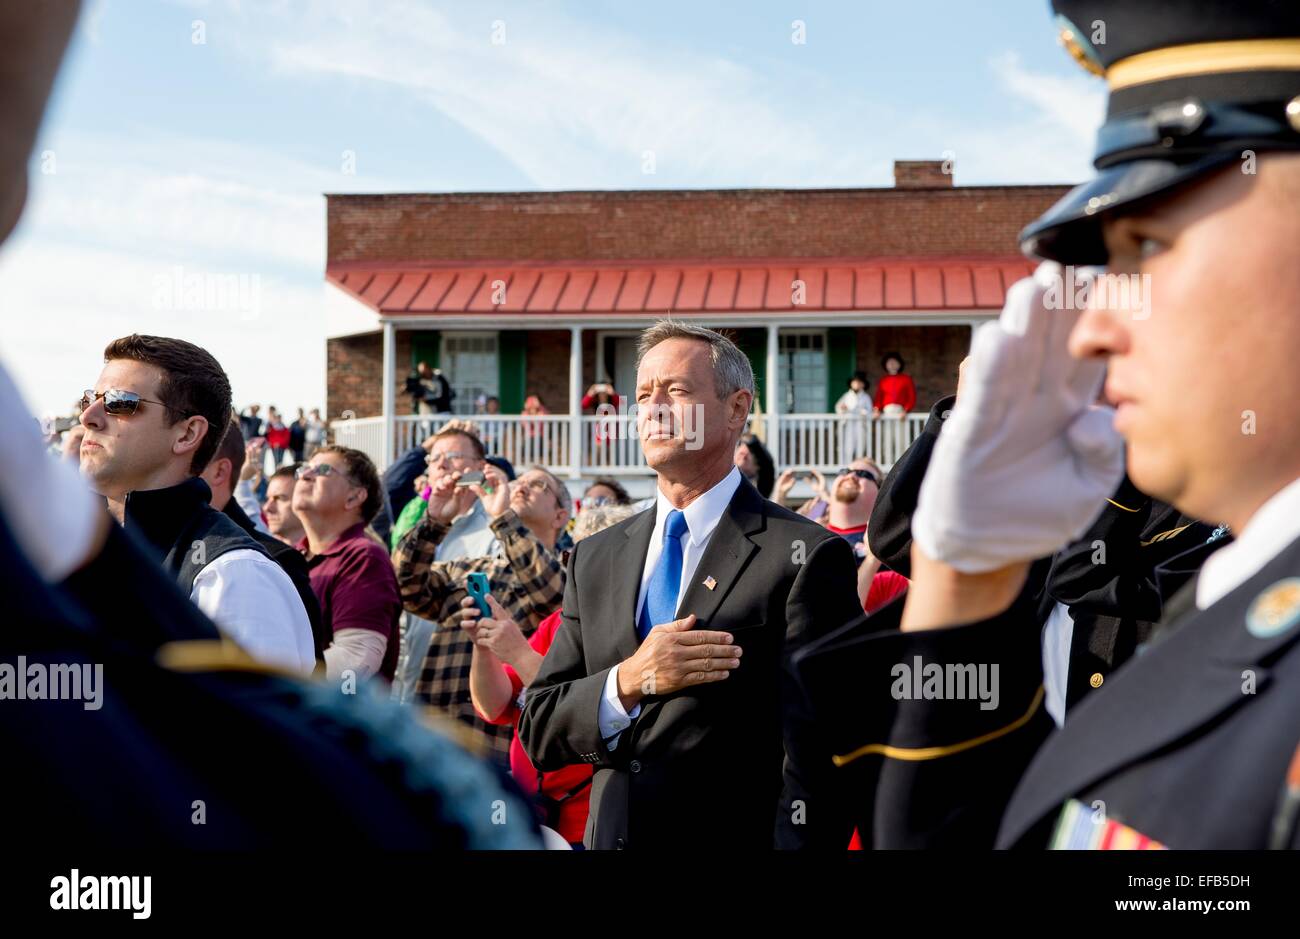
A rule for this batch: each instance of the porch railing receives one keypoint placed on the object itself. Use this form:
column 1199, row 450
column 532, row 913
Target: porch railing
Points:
column 608, row 446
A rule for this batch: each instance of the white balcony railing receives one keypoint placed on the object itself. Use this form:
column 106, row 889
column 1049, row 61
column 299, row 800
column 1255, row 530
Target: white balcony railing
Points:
column 608, row 446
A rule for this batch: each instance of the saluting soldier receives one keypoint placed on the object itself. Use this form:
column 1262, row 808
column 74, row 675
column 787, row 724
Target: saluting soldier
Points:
column 1195, row 205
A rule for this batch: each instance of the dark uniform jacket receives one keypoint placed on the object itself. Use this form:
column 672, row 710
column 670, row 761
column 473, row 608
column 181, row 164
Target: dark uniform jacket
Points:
column 1187, row 744
column 1162, row 751
column 1107, row 578
column 702, row 767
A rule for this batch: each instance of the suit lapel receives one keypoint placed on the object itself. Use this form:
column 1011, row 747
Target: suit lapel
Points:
column 625, row 581
column 1189, row 675
column 724, row 559
column 728, row 551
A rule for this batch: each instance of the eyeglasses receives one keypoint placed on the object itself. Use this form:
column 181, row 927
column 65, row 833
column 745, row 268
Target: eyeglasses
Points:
column 860, row 473
column 436, row 459
column 539, row 484
column 308, row 471
column 119, row 403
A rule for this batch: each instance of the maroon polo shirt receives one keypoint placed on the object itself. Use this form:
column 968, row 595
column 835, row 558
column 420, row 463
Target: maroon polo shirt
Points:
column 354, row 581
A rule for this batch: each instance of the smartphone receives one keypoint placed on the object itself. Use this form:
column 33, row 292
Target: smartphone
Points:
column 476, row 585
column 474, row 476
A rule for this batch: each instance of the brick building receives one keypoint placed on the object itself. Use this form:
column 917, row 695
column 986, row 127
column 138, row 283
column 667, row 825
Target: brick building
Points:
column 513, row 294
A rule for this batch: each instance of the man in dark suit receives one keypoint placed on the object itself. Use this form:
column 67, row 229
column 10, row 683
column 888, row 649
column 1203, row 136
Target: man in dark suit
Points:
column 666, row 674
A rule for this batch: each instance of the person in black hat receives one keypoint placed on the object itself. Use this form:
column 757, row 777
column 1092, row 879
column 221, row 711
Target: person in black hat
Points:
column 1195, row 212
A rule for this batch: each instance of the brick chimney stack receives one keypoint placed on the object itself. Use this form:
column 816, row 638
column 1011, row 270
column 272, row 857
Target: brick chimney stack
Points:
column 922, row 174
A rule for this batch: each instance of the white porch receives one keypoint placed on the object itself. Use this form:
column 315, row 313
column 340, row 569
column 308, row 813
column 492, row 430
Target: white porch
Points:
column 581, row 446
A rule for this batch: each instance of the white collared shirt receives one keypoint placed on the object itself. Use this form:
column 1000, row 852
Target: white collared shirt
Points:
column 702, row 517
column 1273, row 526
column 253, row 601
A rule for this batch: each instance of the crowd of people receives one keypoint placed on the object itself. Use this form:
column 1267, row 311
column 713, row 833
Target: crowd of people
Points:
column 1067, row 617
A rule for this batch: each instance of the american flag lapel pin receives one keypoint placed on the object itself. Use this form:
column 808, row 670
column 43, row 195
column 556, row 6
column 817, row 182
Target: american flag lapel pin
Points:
column 710, row 582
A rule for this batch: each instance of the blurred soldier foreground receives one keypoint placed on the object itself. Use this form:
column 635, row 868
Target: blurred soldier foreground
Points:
column 180, row 716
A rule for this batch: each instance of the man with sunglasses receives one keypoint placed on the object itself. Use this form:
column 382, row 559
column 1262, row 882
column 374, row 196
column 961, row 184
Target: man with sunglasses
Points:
column 853, row 493
column 336, row 497
column 153, row 423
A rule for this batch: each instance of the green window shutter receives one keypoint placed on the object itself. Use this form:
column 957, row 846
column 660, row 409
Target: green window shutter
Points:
column 512, row 367
column 426, row 347
column 841, row 361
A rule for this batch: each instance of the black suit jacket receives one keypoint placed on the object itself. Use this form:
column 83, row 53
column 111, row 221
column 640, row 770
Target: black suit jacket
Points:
column 701, row 767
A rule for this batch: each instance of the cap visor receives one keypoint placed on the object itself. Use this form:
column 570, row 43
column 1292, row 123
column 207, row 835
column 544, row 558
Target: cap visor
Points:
column 1070, row 232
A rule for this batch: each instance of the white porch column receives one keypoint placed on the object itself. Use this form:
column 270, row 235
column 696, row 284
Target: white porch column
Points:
column 575, row 402
column 390, row 388
column 773, row 395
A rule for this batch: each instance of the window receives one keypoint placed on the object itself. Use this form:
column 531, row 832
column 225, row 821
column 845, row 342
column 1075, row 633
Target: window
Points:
column 469, row 360
column 802, row 371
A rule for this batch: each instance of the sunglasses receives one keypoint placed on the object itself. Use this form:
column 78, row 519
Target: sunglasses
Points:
column 119, row 403
column 307, row 471
column 860, row 473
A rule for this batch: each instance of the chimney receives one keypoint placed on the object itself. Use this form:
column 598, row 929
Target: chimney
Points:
column 922, row 174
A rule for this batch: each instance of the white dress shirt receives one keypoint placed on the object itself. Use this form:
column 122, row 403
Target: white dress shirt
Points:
column 1273, row 526
column 702, row 517
column 253, row 601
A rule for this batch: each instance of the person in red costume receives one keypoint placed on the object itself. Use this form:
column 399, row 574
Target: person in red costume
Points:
column 895, row 392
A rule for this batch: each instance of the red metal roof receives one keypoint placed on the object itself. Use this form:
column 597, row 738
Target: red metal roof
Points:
column 579, row 289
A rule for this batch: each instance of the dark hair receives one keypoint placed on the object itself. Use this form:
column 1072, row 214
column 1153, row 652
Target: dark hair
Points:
column 291, row 471
column 232, row 447
column 193, row 383
column 893, row 355
column 620, row 494
column 502, row 464
column 766, row 465
column 862, row 377
column 362, row 472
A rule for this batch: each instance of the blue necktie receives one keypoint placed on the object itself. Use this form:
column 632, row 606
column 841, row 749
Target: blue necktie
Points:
column 666, row 580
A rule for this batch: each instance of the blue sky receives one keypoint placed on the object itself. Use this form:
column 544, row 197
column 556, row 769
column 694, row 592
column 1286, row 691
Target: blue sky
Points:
column 167, row 160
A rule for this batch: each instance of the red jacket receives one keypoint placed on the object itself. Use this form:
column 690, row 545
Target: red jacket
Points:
column 895, row 389
column 556, row 785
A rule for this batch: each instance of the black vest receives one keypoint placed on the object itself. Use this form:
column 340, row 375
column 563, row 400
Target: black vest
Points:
column 182, row 526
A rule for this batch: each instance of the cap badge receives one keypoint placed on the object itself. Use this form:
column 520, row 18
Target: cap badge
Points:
column 1076, row 43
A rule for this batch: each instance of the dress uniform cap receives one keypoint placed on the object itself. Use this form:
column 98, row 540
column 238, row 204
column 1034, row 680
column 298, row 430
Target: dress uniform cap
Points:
column 1193, row 84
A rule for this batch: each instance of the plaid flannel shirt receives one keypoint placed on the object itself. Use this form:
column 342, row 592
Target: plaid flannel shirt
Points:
column 527, row 579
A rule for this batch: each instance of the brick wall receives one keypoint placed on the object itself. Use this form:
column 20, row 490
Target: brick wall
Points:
column 683, row 224
column 548, row 367
column 921, row 174
column 354, row 374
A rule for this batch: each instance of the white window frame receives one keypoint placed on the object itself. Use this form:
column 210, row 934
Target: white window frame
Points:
column 463, row 403
column 787, row 332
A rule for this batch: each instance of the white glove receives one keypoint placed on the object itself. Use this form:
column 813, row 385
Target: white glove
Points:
column 48, row 507
column 1026, row 461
